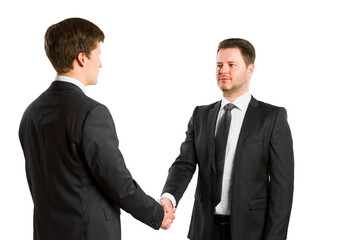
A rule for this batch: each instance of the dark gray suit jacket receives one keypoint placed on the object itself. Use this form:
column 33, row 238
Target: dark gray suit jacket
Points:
column 263, row 173
column 75, row 171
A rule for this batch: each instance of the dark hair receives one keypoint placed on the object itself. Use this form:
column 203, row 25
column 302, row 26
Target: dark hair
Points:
column 66, row 39
column 246, row 48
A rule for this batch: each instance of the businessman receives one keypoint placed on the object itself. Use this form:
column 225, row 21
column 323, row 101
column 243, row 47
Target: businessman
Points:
column 76, row 174
column 243, row 149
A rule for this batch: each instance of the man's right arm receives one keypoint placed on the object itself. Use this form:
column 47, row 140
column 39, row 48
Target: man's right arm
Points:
column 100, row 147
column 182, row 170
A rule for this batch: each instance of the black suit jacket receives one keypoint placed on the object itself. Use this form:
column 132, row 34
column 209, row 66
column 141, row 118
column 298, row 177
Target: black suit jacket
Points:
column 75, row 171
column 263, row 173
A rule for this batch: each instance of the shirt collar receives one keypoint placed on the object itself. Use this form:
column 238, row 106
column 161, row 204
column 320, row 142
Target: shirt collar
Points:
column 71, row 80
column 241, row 102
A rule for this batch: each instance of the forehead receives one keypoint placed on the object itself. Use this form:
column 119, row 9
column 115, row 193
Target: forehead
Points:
column 229, row 54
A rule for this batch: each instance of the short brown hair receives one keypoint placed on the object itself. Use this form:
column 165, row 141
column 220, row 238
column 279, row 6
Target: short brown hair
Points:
column 246, row 48
column 66, row 39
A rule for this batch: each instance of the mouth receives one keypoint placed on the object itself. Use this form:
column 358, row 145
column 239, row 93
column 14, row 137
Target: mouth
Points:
column 224, row 79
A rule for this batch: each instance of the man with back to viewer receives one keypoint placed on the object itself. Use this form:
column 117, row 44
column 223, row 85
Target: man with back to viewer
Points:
column 76, row 174
column 243, row 148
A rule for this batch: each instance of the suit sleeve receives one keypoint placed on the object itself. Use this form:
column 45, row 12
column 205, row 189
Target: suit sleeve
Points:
column 182, row 170
column 281, row 171
column 106, row 163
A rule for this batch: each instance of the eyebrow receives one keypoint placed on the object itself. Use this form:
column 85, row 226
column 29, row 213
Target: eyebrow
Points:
column 228, row 62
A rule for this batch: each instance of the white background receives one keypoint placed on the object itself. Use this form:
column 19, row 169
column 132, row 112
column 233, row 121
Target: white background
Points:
column 159, row 63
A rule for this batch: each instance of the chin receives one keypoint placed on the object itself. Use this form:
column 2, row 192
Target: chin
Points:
column 93, row 82
column 224, row 87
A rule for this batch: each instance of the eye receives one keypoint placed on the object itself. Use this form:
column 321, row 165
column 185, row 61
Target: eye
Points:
column 219, row 65
column 232, row 65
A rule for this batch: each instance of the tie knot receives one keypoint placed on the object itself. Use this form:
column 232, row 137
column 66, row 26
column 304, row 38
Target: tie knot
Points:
column 229, row 106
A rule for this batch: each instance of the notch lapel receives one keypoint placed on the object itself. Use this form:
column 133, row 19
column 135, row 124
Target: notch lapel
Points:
column 249, row 120
column 210, row 138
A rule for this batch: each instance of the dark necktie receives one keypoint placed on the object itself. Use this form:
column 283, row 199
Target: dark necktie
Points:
column 220, row 148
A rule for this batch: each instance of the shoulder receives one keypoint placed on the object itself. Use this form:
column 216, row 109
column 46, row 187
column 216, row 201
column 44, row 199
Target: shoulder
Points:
column 271, row 111
column 267, row 106
column 202, row 112
column 88, row 102
column 65, row 103
column 208, row 107
column 91, row 108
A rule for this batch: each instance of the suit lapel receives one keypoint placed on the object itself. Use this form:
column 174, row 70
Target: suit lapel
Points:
column 249, row 119
column 211, row 124
column 248, row 123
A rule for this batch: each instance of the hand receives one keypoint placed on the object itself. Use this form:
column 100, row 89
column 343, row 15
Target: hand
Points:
column 167, row 204
column 168, row 219
column 168, row 213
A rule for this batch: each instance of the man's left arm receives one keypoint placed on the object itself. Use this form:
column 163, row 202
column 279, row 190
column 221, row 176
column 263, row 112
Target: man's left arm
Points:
column 281, row 171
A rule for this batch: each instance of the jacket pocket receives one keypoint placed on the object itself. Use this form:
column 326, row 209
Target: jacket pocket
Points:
column 111, row 213
column 258, row 204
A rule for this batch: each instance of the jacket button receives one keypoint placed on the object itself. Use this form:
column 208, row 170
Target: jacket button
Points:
column 212, row 175
column 211, row 196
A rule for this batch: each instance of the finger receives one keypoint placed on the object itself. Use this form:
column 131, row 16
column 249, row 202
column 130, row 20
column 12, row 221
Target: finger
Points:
column 166, row 225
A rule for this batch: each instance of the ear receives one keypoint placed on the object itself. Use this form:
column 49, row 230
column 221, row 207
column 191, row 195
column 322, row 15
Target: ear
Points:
column 81, row 59
column 250, row 70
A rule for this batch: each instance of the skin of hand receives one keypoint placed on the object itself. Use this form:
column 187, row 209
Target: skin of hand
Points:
column 167, row 204
column 168, row 214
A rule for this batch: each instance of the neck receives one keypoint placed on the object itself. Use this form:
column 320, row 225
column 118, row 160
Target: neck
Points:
column 73, row 74
column 232, row 96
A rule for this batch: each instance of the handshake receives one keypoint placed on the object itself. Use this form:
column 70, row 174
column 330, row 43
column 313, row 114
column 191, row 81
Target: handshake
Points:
column 169, row 212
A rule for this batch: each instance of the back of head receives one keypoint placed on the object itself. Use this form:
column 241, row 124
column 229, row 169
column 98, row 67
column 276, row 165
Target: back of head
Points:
column 246, row 48
column 66, row 39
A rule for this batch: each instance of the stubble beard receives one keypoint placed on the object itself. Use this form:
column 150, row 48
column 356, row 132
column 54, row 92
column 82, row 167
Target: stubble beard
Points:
column 232, row 91
column 228, row 90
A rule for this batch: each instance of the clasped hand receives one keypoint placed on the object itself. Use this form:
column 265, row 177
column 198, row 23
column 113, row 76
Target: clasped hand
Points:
column 169, row 212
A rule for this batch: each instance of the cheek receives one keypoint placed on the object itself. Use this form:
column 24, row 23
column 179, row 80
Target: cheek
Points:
column 217, row 72
column 238, row 73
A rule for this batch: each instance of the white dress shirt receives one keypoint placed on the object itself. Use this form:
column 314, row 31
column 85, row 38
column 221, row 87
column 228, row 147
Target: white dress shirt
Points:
column 237, row 117
column 71, row 80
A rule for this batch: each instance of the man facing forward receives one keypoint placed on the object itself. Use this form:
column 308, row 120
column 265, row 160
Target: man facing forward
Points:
column 243, row 148
column 76, row 174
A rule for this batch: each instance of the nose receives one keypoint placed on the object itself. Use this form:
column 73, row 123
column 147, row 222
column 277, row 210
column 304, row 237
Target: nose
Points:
column 224, row 69
column 100, row 64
